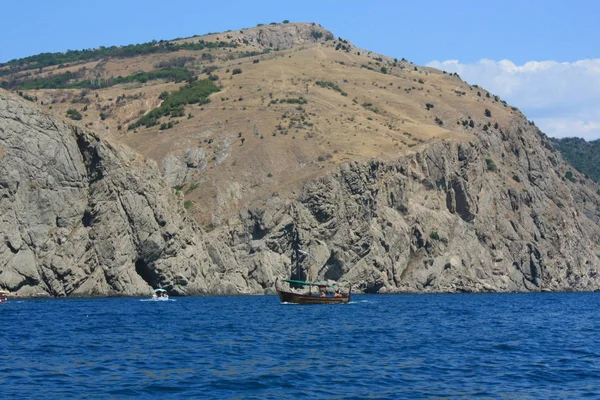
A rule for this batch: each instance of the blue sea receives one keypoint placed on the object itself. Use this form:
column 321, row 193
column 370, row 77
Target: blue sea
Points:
column 501, row 346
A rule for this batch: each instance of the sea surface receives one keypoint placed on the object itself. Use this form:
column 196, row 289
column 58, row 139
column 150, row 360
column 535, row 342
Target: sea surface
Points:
column 501, row 346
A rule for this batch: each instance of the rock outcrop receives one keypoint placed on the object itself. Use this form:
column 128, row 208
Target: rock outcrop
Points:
column 285, row 36
column 83, row 216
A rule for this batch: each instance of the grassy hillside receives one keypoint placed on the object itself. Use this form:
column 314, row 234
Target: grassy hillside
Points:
column 253, row 113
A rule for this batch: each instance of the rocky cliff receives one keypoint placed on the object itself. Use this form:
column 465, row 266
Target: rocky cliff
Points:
column 494, row 213
column 83, row 216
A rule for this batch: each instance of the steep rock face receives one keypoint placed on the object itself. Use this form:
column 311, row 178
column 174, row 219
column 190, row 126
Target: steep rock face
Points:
column 492, row 214
column 80, row 216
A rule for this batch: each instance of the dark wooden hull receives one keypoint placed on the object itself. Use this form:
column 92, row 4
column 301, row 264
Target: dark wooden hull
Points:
column 296, row 298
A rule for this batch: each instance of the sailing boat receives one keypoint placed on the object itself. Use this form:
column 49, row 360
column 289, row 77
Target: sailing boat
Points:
column 319, row 297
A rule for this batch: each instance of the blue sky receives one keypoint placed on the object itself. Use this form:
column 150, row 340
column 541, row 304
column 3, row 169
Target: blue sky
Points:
column 454, row 35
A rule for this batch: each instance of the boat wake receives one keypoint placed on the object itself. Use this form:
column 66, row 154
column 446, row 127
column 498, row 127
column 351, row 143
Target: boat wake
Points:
column 361, row 301
column 158, row 299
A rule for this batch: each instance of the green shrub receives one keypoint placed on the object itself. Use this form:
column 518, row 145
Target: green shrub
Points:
column 74, row 114
column 236, row 71
column 384, row 70
column 516, row 178
column 429, row 106
column 165, row 126
column 316, row 34
column 569, row 176
column 331, row 85
column 434, row 235
column 286, row 21
column 193, row 186
column 491, row 166
column 488, row 113
column 301, row 100
column 188, row 204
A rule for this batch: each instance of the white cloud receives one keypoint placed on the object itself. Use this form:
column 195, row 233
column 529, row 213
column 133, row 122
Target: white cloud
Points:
column 562, row 98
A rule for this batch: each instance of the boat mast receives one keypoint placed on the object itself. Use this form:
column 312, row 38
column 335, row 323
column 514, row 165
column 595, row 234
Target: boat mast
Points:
column 309, row 267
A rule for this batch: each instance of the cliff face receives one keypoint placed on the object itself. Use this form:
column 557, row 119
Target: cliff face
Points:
column 495, row 213
column 82, row 216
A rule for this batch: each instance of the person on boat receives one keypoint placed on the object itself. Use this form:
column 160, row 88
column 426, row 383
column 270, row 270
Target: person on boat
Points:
column 323, row 294
column 337, row 293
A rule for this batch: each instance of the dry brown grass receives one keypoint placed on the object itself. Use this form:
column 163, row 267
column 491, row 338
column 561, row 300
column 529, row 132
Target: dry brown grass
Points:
column 328, row 130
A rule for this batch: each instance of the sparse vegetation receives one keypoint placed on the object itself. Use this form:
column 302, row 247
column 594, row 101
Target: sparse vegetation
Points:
column 331, row 85
column 64, row 81
column 193, row 93
column 47, row 59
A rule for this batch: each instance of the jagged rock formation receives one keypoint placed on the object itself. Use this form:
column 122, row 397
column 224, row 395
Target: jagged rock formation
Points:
column 491, row 214
column 81, row 216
